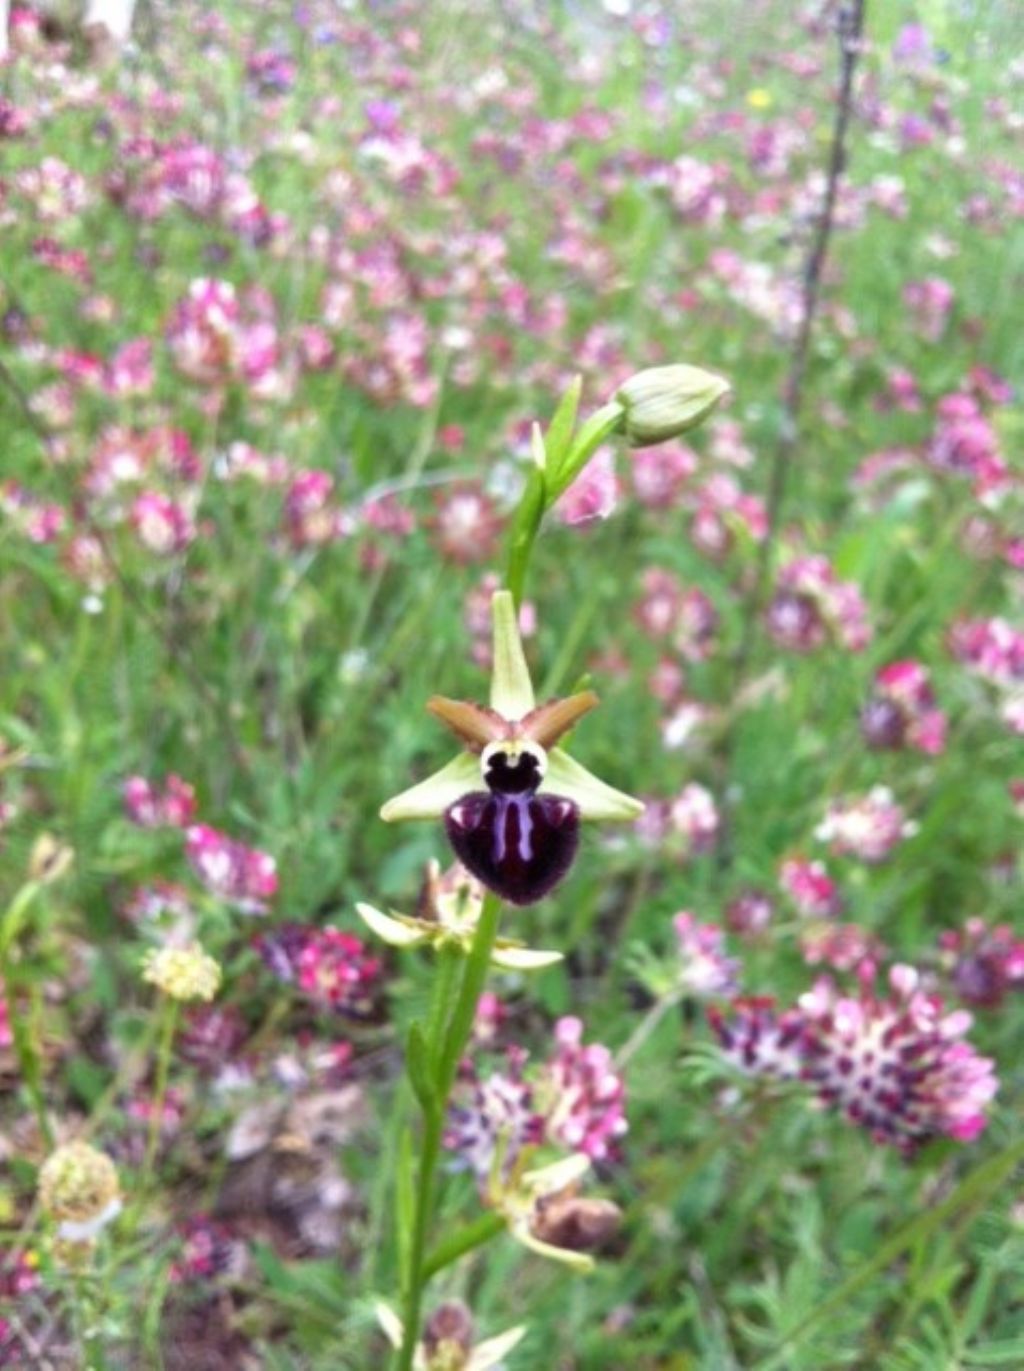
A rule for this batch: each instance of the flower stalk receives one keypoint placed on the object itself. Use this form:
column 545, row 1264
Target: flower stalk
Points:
column 444, row 1048
column 170, row 1012
column 511, row 801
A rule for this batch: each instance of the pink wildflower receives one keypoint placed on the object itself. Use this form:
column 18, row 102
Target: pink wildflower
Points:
column 163, row 525
column 811, row 606
column 869, row 827
column 899, row 1066
column 901, row 711
column 311, row 517
column 466, row 524
column 705, row 971
column 844, row 947
column 242, row 875
column 811, row 889
column 694, row 816
column 750, row 912
column 992, row 648
column 335, row 970
column 929, row 303
column 211, row 1035
column 6, row 1034
column 208, row 1249
column 203, row 333
column 759, row 1039
column 594, row 494
column 582, row 1095
column 172, row 805
column 660, row 473
column 492, row 1117
column 984, row 962
column 330, row 966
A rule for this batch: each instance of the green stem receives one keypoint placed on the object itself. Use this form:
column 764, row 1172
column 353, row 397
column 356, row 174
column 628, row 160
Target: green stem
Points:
column 523, row 534
column 444, row 982
column 473, row 980
column 647, row 1025
column 544, row 487
column 597, row 430
column 168, row 1028
column 446, row 1052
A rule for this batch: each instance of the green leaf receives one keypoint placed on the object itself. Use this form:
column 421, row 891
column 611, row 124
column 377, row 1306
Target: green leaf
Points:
column 997, row 1354
column 563, row 425
column 417, row 1068
column 598, row 428
column 87, row 1080
column 535, row 499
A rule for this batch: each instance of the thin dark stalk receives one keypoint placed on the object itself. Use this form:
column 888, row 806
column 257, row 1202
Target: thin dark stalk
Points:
column 849, row 30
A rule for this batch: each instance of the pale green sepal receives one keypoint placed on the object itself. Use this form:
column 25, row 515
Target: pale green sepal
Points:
column 593, row 798
column 556, row 1176
column 394, row 931
column 511, row 687
column 523, row 958
column 576, row 1261
column 488, row 1354
column 431, row 797
column 390, row 1323
column 537, row 449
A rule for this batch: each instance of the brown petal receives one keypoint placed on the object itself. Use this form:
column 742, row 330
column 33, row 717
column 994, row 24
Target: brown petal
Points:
column 548, row 722
column 474, row 724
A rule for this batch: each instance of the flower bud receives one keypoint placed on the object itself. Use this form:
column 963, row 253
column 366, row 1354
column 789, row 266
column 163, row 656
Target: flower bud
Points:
column 448, row 1336
column 663, row 402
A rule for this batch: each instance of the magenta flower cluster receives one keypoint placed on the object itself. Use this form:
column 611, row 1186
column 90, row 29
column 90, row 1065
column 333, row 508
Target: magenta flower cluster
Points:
column 895, row 1064
column 331, row 968
column 575, row 1101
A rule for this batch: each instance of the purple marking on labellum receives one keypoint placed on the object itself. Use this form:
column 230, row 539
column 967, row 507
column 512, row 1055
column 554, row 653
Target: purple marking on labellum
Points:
column 518, row 843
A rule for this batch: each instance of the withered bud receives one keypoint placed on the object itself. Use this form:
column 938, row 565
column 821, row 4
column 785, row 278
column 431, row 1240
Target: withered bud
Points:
column 575, row 1223
column 449, row 1328
column 427, row 904
column 49, row 859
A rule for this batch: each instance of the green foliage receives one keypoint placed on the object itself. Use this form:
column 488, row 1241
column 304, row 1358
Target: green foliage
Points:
column 288, row 685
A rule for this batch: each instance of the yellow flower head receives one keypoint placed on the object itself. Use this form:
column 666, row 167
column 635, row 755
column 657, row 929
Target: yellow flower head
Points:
column 759, row 98
column 78, row 1187
column 184, row 973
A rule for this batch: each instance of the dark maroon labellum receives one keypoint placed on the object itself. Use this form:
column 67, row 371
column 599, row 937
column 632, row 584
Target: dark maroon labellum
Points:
column 518, row 843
